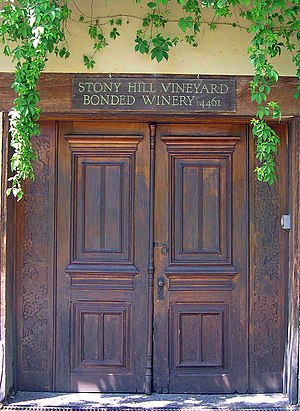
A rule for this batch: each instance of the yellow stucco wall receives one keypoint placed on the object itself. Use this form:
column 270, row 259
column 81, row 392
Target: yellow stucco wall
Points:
column 219, row 52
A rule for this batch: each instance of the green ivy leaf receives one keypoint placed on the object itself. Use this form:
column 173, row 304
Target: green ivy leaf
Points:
column 114, row 33
column 152, row 5
column 185, row 23
column 142, row 46
column 88, row 62
column 93, row 31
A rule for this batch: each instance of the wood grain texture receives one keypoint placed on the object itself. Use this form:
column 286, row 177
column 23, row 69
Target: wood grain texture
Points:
column 102, row 254
column 56, row 94
column 100, row 336
column 292, row 353
column 7, row 245
column 205, row 350
column 35, row 271
column 104, row 278
column 208, row 324
column 268, row 280
column 197, row 201
column 150, row 268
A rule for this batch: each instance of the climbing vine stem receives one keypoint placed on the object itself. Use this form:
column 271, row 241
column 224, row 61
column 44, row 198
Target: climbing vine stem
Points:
column 33, row 29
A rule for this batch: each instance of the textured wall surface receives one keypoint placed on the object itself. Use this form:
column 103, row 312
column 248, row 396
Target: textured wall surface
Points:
column 223, row 51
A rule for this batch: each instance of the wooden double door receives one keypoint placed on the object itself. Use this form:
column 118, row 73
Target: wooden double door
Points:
column 151, row 284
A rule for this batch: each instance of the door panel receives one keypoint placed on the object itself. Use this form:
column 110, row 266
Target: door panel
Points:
column 197, row 335
column 102, row 273
column 200, row 210
column 103, row 209
column 204, row 305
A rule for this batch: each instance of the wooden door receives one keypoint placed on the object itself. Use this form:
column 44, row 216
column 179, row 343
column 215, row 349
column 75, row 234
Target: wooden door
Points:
column 102, row 257
column 201, row 235
column 150, row 258
column 200, row 324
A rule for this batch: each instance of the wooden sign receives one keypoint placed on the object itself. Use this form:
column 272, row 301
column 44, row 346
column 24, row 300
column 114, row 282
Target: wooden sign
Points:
column 155, row 94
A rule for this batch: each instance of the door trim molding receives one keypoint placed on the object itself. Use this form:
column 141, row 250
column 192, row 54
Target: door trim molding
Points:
column 7, row 208
column 149, row 366
column 292, row 349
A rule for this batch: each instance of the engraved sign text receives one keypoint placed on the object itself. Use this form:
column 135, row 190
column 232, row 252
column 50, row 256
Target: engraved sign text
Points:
column 154, row 94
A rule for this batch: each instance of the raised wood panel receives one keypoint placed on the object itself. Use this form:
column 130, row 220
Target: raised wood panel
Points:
column 103, row 209
column 101, row 336
column 212, row 326
column 198, row 337
column 212, row 210
column 200, row 206
column 200, row 203
column 103, row 191
column 103, row 170
column 201, row 213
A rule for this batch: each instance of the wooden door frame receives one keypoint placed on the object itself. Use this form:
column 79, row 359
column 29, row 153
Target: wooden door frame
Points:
column 292, row 343
column 7, row 317
column 292, row 347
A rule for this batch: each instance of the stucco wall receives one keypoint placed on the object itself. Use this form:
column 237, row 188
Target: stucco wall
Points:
column 219, row 52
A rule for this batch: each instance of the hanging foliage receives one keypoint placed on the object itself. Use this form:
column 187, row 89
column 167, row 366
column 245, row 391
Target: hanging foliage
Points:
column 33, row 29
column 30, row 30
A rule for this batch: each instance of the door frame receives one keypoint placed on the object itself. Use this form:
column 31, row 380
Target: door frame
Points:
column 292, row 344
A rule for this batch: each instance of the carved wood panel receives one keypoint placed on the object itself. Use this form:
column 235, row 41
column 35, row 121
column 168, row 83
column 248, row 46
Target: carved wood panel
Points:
column 268, row 281
column 34, row 271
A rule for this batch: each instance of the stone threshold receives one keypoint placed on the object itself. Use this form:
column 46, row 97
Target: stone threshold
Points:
column 43, row 401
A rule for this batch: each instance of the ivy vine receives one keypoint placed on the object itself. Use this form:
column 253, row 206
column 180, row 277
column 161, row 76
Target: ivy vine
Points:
column 33, row 29
column 30, row 30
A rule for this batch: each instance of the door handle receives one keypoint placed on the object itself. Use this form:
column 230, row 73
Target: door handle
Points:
column 160, row 288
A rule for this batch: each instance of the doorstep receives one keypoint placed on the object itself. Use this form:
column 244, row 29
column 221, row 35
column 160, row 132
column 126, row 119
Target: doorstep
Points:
column 43, row 401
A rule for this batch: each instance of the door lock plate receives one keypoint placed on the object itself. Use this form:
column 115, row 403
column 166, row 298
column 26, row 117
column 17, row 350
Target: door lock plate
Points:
column 164, row 249
column 160, row 288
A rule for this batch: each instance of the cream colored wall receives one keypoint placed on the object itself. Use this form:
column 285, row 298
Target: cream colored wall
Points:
column 219, row 52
